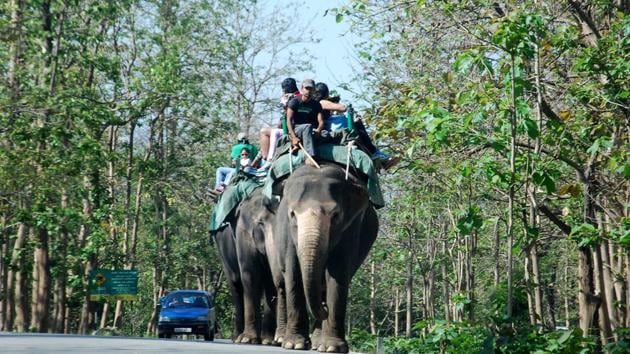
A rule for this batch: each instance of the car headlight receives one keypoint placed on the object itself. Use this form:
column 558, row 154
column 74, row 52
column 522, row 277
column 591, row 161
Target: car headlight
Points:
column 164, row 319
column 201, row 318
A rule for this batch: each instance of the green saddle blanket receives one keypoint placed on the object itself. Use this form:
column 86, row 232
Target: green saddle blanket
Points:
column 359, row 160
column 233, row 195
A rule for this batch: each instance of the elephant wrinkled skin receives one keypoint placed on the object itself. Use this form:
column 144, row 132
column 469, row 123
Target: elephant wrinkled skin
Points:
column 247, row 272
column 325, row 226
column 253, row 229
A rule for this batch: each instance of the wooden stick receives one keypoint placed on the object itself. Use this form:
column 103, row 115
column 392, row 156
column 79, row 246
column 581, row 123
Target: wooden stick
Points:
column 350, row 145
column 308, row 155
column 290, row 161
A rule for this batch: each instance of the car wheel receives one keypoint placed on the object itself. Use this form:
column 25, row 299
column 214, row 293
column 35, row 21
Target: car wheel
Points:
column 209, row 335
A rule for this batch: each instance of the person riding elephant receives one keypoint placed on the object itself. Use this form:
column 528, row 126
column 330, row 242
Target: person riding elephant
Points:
column 325, row 226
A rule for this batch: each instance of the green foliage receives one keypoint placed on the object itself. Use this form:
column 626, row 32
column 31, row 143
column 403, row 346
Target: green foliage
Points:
column 441, row 337
column 531, row 340
column 586, row 235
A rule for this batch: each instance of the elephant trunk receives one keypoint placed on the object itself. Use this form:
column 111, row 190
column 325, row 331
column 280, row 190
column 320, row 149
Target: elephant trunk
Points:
column 312, row 253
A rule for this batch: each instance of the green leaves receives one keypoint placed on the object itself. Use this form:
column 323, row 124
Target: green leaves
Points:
column 473, row 59
column 544, row 178
column 519, row 33
column 470, row 221
column 585, row 234
column 530, row 127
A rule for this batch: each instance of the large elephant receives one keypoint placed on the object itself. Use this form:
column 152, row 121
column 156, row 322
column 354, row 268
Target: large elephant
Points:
column 253, row 230
column 325, row 226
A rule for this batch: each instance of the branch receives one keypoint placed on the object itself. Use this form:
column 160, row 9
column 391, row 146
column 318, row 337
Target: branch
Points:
column 566, row 229
column 569, row 162
column 584, row 17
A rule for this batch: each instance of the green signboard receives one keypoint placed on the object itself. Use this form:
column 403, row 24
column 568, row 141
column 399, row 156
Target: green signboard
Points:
column 116, row 284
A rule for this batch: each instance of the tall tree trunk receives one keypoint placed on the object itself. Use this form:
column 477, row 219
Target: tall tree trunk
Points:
column 627, row 276
column 538, row 298
column 550, row 295
column 608, row 286
column 587, row 302
column 21, row 292
column 409, row 289
column 511, row 192
column 15, row 44
column 41, row 282
column 15, row 313
column 605, row 331
column 372, row 299
column 60, row 296
column 534, row 219
column 84, row 232
column 567, row 313
column 162, row 214
column 471, row 250
column 397, row 313
column 528, row 287
column 497, row 258
column 4, row 271
column 8, row 273
column 446, row 295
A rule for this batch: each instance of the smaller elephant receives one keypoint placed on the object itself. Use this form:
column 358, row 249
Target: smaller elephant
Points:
column 224, row 240
column 253, row 232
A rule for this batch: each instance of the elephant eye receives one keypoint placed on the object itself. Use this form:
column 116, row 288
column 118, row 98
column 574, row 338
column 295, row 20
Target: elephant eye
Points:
column 292, row 213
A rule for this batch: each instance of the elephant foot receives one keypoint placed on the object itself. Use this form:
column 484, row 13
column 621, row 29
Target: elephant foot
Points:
column 316, row 337
column 295, row 341
column 277, row 341
column 248, row 338
column 267, row 339
column 279, row 337
column 236, row 337
column 332, row 345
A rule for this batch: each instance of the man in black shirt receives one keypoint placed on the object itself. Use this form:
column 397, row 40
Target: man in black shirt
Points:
column 305, row 121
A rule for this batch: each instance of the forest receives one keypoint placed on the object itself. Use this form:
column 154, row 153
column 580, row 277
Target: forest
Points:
column 507, row 223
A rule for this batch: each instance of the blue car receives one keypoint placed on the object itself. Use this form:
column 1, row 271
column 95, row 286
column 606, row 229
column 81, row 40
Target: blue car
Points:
column 187, row 312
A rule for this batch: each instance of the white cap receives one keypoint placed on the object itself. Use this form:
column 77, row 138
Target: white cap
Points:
column 241, row 136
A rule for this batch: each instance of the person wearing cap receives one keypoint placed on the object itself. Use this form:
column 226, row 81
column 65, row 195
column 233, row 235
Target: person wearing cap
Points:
column 224, row 174
column 243, row 143
column 305, row 120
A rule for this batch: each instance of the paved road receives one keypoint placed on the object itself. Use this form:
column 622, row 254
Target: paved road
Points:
column 31, row 343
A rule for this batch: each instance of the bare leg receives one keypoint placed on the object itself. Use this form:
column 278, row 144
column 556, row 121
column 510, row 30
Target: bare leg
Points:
column 275, row 135
column 265, row 134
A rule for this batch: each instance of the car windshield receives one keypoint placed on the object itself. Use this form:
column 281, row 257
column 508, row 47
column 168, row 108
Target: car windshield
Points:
column 186, row 300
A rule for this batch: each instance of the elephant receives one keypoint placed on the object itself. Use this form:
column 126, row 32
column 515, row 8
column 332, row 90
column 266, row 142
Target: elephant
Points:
column 244, row 278
column 325, row 226
column 226, row 245
column 253, row 232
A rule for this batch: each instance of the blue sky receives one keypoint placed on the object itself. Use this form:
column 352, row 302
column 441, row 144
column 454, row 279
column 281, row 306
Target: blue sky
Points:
column 334, row 60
